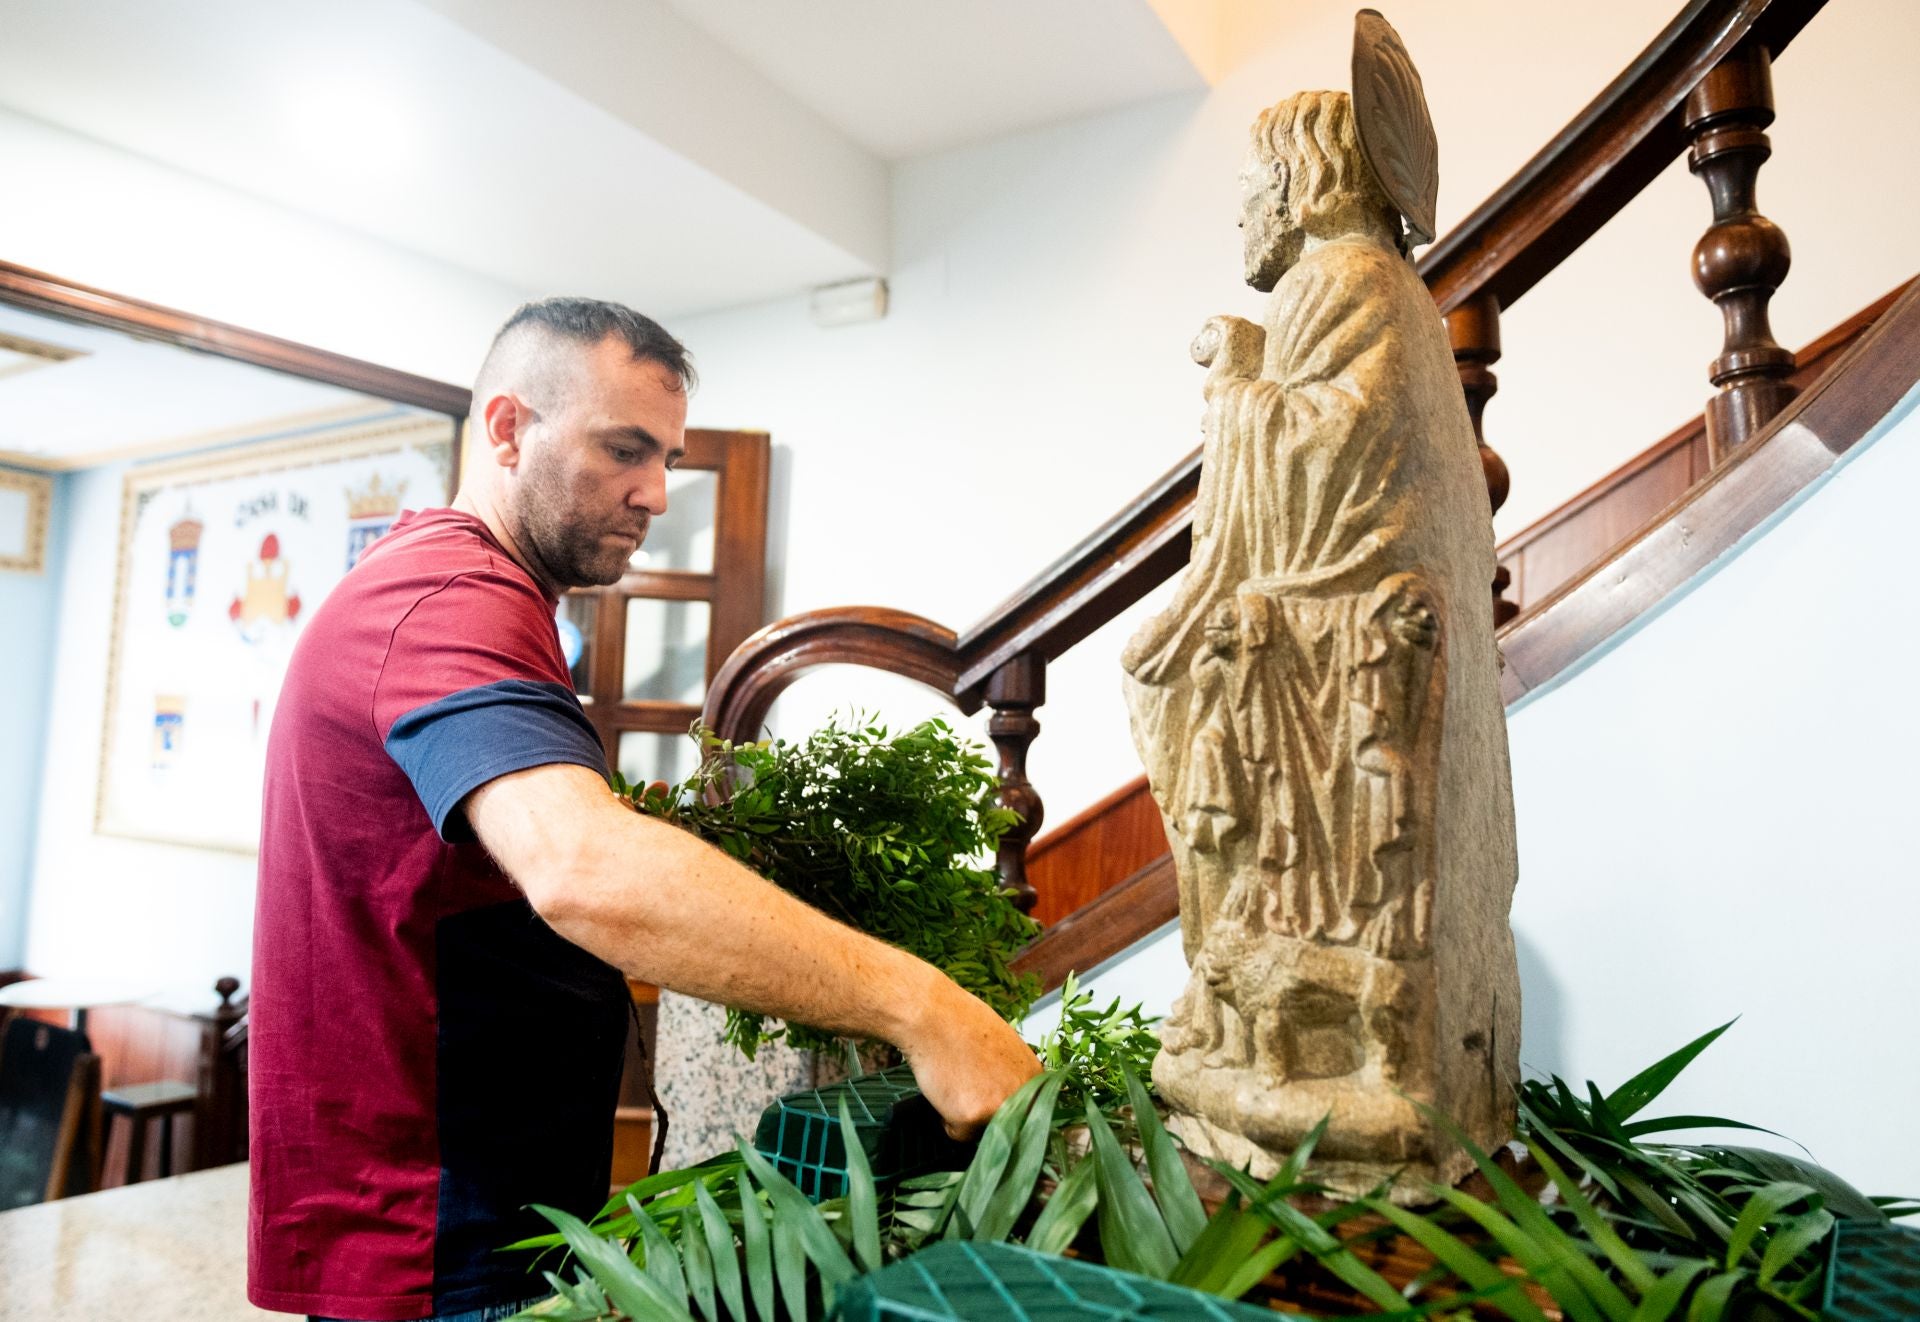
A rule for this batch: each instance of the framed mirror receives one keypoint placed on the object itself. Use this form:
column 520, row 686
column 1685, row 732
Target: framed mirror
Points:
column 176, row 496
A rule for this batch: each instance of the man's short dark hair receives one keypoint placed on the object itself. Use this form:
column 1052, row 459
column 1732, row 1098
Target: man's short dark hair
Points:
column 588, row 321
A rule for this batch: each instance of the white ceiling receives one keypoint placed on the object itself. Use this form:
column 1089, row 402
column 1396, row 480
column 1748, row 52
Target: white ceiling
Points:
column 123, row 396
column 678, row 154
column 903, row 78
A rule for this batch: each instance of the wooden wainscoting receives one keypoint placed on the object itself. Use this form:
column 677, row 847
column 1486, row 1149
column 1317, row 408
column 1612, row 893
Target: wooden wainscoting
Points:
column 137, row 1044
column 1074, row 864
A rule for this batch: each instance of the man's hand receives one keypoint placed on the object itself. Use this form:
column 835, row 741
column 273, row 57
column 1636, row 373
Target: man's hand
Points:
column 966, row 1059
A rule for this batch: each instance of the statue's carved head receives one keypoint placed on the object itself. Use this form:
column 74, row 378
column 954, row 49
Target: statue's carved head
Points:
column 1405, row 609
column 1306, row 175
column 1222, row 628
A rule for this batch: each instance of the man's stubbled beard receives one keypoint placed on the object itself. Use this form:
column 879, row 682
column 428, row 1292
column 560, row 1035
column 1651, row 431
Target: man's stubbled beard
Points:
column 567, row 546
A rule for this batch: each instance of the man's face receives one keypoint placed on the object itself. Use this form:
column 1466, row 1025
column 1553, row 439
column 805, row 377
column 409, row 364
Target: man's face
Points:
column 593, row 466
column 1271, row 238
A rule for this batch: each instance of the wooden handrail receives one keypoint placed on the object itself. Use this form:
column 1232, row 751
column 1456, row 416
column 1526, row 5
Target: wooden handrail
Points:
column 762, row 667
column 1584, row 176
column 1134, row 552
column 1548, row 642
column 1603, row 159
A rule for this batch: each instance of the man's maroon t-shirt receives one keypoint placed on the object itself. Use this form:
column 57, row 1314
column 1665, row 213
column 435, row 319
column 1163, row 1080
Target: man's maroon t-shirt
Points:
column 426, row 1056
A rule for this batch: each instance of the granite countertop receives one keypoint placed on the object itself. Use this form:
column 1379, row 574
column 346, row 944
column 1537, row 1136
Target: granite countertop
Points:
column 173, row 1248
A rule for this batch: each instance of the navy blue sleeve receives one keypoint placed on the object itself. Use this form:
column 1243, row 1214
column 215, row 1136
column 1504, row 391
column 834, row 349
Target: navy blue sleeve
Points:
column 453, row 745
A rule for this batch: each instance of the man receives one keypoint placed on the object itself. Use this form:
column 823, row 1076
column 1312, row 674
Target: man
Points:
column 449, row 892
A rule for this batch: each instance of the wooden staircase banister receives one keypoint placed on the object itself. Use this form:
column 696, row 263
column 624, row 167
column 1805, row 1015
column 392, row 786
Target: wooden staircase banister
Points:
column 1561, row 543
column 1797, row 448
column 1128, row 556
column 762, row 667
column 1602, row 159
column 1584, row 176
column 1596, row 165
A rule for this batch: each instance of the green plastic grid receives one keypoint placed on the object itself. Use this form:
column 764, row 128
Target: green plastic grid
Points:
column 1873, row 1273
column 959, row 1281
column 899, row 1131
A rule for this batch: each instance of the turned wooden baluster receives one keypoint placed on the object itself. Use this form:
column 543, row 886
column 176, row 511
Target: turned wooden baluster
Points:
column 1014, row 690
column 220, row 1116
column 1743, row 257
column 1473, row 328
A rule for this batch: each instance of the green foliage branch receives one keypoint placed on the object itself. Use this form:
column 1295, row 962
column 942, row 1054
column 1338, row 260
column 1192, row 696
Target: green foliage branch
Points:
column 892, row 834
column 1095, row 1051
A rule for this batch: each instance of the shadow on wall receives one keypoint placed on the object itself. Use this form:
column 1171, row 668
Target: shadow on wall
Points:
column 779, row 528
column 1542, row 1013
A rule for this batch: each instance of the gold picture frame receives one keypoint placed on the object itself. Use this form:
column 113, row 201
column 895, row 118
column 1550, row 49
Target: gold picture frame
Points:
column 182, row 663
column 38, row 488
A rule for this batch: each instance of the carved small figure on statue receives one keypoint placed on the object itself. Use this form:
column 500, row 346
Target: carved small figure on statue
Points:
column 1215, row 798
column 1390, row 688
column 1318, row 705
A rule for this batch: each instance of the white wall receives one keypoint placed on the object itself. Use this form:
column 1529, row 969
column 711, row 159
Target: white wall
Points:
column 30, row 604
column 1715, row 821
column 89, row 212
column 1032, row 375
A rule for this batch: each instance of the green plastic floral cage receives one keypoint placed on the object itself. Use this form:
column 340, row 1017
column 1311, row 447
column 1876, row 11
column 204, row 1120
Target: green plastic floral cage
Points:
column 899, row 1131
column 971, row 1282
column 1873, row 1274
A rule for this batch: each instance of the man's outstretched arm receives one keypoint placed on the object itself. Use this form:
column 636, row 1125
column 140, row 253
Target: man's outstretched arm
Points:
column 667, row 908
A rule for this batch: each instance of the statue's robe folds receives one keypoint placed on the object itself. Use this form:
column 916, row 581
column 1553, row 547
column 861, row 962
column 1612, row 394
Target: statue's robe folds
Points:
column 1342, row 510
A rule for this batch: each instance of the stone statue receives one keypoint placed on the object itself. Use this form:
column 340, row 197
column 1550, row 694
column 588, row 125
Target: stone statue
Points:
column 1318, row 708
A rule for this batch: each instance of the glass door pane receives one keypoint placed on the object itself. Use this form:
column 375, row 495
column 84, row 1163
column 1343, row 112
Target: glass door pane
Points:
column 666, row 652
column 682, row 538
column 645, row 758
column 574, row 621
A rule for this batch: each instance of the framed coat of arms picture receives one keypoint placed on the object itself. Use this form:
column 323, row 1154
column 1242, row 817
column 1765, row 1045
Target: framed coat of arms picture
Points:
column 223, row 557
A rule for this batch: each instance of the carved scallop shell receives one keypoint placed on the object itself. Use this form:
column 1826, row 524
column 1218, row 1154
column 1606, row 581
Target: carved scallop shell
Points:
column 1396, row 131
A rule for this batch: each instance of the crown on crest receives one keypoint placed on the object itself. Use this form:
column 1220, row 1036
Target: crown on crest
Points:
column 376, row 500
column 185, row 535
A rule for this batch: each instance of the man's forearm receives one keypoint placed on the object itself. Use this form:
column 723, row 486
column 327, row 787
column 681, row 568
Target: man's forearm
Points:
column 667, row 908
column 660, row 905
column 710, row 928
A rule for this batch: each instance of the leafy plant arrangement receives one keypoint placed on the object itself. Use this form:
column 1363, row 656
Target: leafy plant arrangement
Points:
column 734, row 1239
column 1737, row 1233
column 1094, row 1050
column 1631, row 1229
column 1749, row 1224
column 885, row 833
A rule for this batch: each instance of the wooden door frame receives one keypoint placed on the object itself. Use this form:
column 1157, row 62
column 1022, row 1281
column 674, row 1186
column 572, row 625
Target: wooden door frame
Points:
column 735, row 586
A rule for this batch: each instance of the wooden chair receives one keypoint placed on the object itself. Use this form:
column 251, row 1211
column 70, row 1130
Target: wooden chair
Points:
column 49, row 1113
column 142, row 1104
